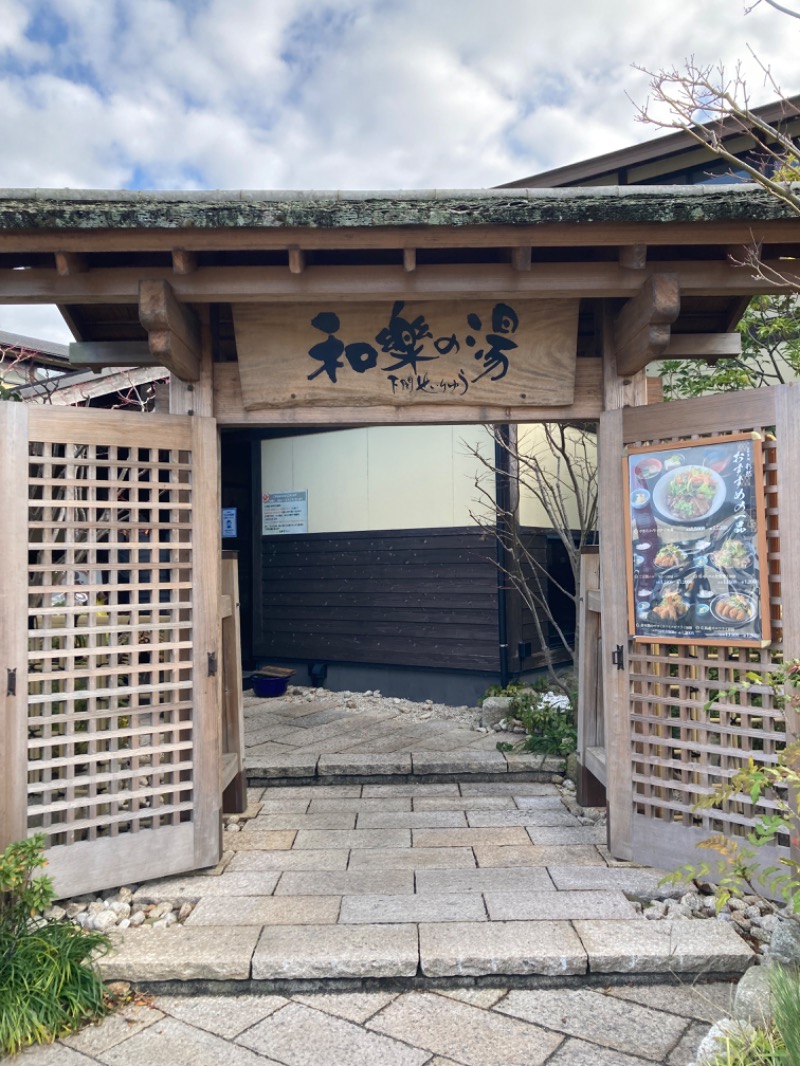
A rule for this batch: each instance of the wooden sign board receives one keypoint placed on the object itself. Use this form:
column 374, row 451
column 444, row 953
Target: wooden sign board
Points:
column 696, row 538
column 459, row 352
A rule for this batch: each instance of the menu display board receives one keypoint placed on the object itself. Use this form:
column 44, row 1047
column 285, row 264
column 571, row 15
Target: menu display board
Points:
column 697, row 570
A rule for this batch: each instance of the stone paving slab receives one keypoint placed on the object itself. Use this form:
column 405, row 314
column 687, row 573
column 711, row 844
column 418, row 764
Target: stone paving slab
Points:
column 586, row 834
column 638, row 882
column 308, row 951
column 461, row 762
column 537, row 802
column 289, row 860
column 266, row 840
column 412, row 858
column 575, row 1052
column 357, row 838
column 350, row 883
column 179, row 954
column 302, row 1036
column 554, row 906
column 538, row 855
column 522, row 879
column 376, row 910
column 388, row 803
column 178, row 1044
column 284, row 806
column 507, row 788
column 626, row 1027
column 290, row 820
column 413, row 790
column 248, row 883
column 130, row 1019
column 450, row 838
column 261, row 763
column 707, row 1002
column 479, row 948
column 530, row 761
column 354, row 1006
column 350, row 763
column 267, row 910
column 465, row 1033
column 464, row 803
column 548, row 816
column 227, row 1016
column 663, row 946
column 412, row 820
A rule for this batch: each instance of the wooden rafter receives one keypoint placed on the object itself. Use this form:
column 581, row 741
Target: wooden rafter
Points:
column 710, row 346
column 642, row 328
column 493, row 281
column 633, row 256
column 173, row 330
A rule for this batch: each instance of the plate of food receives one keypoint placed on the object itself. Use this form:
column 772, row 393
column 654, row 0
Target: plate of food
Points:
column 732, row 555
column 734, row 609
column 671, row 606
column 670, row 555
column 640, row 498
column 648, row 468
column 689, row 494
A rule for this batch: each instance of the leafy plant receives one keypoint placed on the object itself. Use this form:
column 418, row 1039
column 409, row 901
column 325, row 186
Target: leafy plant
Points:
column 784, row 984
column 736, row 867
column 549, row 721
column 48, row 986
column 763, row 1047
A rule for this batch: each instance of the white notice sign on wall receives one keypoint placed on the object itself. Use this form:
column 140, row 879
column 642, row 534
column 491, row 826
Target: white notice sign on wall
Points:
column 284, row 512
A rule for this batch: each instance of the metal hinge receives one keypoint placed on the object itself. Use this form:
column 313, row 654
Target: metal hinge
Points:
column 11, row 683
column 212, row 664
column 618, row 657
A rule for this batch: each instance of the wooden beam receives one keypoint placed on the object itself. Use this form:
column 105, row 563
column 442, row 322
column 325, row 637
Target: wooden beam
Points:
column 497, row 281
column 297, row 259
column 409, row 260
column 642, row 327
column 521, row 258
column 183, row 261
column 703, row 346
column 230, row 412
column 102, row 385
column 70, row 263
column 633, row 256
column 99, row 354
column 173, row 330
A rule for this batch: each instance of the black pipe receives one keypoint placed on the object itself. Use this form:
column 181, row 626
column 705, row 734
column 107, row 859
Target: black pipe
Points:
column 502, row 490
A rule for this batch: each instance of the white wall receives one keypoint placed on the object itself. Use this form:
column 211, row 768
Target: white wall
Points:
column 397, row 477
column 387, row 477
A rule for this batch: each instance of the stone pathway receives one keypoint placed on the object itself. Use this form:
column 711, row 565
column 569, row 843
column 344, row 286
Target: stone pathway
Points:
column 654, row 1025
column 414, row 883
column 402, row 894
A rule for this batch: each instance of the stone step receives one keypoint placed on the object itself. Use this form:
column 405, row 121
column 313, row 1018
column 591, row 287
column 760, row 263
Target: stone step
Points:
column 402, row 767
column 239, row 957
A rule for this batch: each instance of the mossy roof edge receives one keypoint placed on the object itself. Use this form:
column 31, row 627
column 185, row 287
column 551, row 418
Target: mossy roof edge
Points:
column 76, row 209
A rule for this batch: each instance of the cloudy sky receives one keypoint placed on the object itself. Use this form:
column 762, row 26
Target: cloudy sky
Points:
column 360, row 94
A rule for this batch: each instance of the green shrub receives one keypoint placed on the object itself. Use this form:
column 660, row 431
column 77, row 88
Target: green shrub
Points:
column 48, row 986
column 785, row 987
column 549, row 721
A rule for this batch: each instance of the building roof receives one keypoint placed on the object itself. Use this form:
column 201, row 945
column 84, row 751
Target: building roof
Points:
column 37, row 210
column 674, row 158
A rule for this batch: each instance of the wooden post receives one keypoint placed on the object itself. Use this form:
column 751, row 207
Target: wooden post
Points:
column 618, row 392
column 234, row 796
column 14, row 623
column 206, row 606
column 591, row 739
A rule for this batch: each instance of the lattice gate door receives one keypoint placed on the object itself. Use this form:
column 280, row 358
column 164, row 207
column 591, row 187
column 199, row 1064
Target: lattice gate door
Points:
column 108, row 618
column 670, row 737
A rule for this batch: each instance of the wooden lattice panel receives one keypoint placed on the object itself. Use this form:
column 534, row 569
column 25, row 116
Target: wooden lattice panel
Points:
column 688, row 734
column 110, row 660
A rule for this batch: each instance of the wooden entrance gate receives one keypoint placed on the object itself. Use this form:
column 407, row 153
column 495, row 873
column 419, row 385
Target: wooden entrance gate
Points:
column 109, row 619
column 669, row 740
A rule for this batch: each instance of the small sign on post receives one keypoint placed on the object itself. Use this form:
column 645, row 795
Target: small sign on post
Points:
column 284, row 512
column 229, row 522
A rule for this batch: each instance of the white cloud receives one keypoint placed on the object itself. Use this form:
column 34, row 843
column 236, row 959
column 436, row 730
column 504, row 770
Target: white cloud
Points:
column 345, row 93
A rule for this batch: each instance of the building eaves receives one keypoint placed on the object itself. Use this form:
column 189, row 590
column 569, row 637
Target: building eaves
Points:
column 91, row 210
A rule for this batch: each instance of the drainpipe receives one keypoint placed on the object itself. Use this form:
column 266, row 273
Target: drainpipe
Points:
column 503, row 498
